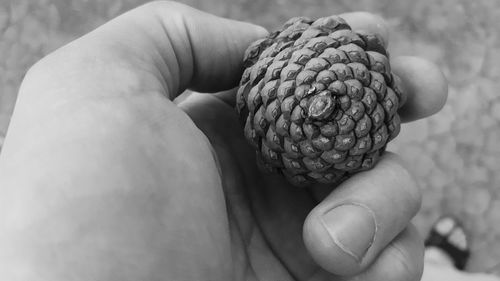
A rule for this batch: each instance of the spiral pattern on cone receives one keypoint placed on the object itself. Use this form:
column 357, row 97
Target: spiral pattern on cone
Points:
column 318, row 100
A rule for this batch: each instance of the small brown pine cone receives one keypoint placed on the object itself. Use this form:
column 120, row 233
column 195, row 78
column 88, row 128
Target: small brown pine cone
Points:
column 318, row 100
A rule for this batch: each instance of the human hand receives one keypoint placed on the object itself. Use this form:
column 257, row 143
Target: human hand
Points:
column 105, row 178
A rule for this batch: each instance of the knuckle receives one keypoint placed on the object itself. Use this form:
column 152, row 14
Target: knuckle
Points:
column 397, row 168
column 36, row 75
column 404, row 267
column 164, row 5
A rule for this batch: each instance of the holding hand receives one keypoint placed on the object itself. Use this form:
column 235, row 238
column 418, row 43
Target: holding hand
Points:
column 104, row 177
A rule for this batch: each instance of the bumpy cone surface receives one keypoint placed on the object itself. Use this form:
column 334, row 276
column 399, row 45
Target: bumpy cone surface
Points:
column 318, row 100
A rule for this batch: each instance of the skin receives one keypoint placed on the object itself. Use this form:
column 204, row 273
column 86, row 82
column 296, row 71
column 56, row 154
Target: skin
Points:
column 103, row 177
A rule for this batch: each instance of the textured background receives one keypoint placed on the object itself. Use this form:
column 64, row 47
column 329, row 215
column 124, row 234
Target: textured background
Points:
column 454, row 154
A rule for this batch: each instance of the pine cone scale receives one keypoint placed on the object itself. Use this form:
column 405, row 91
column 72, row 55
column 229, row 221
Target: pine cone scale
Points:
column 318, row 100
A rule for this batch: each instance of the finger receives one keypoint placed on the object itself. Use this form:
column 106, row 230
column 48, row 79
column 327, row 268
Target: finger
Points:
column 172, row 44
column 370, row 23
column 425, row 85
column 351, row 227
column 423, row 82
column 402, row 259
column 209, row 49
column 359, row 21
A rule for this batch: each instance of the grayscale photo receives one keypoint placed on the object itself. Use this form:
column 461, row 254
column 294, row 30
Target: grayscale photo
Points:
column 249, row 140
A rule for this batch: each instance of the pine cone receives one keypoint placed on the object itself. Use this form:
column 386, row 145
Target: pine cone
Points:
column 318, row 101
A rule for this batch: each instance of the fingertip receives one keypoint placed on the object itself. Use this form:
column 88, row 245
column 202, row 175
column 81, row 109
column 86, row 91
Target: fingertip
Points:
column 368, row 22
column 425, row 85
column 259, row 31
column 241, row 29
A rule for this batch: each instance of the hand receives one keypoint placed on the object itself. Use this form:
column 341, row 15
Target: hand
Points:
column 103, row 177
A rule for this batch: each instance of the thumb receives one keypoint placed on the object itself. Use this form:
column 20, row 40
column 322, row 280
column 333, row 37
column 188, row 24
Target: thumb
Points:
column 363, row 218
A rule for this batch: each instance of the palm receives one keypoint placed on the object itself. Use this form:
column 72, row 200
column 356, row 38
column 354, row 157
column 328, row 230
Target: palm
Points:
column 265, row 213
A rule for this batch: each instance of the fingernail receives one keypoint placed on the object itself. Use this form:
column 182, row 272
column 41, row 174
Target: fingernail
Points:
column 352, row 228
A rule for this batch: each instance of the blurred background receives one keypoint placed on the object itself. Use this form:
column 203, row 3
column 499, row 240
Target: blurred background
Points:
column 455, row 154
